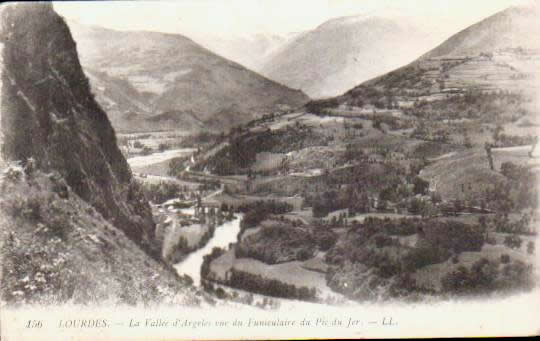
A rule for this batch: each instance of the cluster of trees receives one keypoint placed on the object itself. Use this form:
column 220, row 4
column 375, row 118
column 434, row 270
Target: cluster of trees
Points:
column 270, row 287
column 437, row 242
column 256, row 212
column 320, row 107
column 501, row 222
column 278, row 242
column 519, row 193
column 202, row 138
column 354, row 153
column 177, row 165
column 329, row 201
column 373, row 245
column 241, row 154
column 505, row 140
column 207, row 260
column 161, row 192
column 486, row 276
column 355, row 197
column 182, row 247
column 394, row 123
column 473, row 104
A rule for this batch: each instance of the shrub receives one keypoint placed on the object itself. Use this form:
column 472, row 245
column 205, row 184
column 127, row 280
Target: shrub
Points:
column 163, row 146
column 513, row 241
column 13, row 173
column 324, row 238
column 505, row 258
column 530, row 247
column 32, row 210
column 382, row 241
column 481, row 278
column 260, row 210
column 420, row 257
column 270, row 287
column 146, row 150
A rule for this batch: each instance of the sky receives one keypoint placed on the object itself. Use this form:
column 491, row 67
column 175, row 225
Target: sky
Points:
column 242, row 18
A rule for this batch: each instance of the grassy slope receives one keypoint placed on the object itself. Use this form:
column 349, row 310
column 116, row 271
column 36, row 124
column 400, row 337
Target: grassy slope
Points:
column 57, row 250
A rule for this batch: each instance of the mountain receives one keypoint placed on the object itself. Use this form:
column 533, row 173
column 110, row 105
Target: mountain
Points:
column 343, row 52
column 512, row 28
column 73, row 219
column 500, row 53
column 251, row 51
column 169, row 73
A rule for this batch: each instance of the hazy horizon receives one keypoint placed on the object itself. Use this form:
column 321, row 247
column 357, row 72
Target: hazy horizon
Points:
column 206, row 19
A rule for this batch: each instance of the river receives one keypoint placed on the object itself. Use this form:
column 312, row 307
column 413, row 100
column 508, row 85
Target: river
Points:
column 224, row 234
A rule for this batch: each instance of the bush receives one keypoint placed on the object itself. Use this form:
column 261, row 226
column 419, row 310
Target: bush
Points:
column 530, row 247
column 205, row 267
column 163, row 147
column 159, row 193
column 270, row 287
column 481, row 278
column 255, row 213
column 505, row 259
column 146, row 150
column 513, row 241
column 382, row 241
column 324, row 238
column 420, row 257
column 13, row 173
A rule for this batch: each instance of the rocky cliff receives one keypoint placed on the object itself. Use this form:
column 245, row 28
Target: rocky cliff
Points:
column 49, row 114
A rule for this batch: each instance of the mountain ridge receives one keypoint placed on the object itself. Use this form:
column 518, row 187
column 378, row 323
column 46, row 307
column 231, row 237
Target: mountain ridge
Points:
column 175, row 73
column 343, row 52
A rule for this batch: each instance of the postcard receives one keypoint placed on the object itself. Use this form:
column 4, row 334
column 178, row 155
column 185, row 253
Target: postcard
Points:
column 256, row 169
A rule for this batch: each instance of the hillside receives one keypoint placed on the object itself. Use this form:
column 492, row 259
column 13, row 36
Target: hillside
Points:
column 500, row 53
column 56, row 248
column 344, row 52
column 75, row 225
column 512, row 28
column 424, row 176
column 172, row 74
column 250, row 49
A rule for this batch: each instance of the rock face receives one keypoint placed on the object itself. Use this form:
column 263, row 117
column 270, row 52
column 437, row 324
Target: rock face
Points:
column 49, row 114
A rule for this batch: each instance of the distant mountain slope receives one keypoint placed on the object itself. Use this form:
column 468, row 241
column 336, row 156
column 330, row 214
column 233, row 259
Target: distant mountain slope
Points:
column 344, row 52
column 172, row 73
column 502, row 52
column 512, row 28
column 250, row 51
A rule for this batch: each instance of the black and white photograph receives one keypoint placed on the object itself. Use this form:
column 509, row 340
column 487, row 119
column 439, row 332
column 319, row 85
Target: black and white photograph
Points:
column 269, row 169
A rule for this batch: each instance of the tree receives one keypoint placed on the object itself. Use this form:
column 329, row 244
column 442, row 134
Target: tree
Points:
column 416, row 206
column 513, row 242
column 420, row 186
column 487, row 147
column 511, row 170
column 163, row 146
column 530, row 247
column 146, row 150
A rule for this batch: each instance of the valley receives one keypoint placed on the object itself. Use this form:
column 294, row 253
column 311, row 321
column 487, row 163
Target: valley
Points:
column 215, row 185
